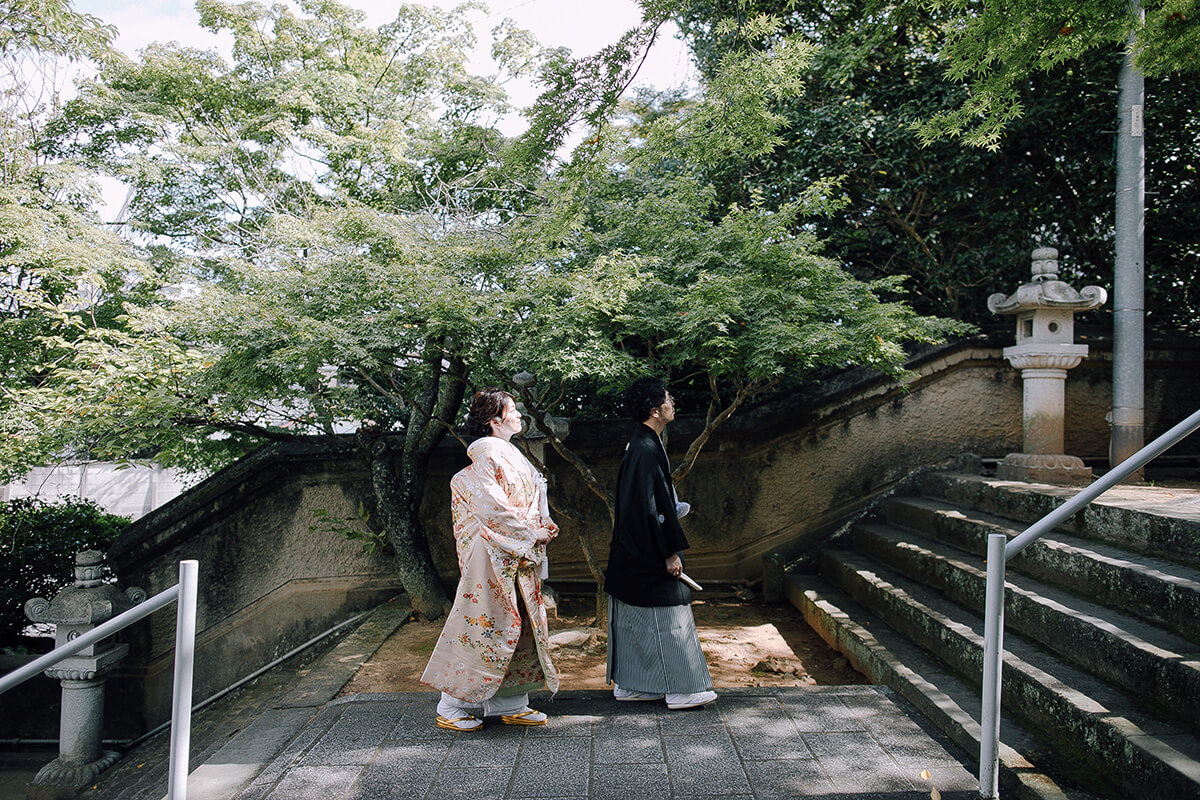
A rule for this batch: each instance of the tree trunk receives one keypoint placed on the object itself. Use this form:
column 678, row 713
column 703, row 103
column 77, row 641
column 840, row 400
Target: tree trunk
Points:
column 398, row 502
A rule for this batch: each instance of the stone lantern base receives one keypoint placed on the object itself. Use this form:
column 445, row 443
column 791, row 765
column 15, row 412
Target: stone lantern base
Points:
column 1041, row 468
column 61, row 779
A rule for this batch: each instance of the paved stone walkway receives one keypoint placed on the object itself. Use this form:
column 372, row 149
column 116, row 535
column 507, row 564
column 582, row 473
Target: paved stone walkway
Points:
column 847, row 742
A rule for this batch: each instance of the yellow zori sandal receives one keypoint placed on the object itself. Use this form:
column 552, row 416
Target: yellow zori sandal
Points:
column 526, row 717
column 466, row 724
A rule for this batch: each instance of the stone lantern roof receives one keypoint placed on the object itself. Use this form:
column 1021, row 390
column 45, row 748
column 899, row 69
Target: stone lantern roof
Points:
column 1045, row 290
column 89, row 601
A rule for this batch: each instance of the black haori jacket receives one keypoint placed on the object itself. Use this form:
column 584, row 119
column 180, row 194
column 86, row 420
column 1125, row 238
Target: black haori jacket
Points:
column 647, row 530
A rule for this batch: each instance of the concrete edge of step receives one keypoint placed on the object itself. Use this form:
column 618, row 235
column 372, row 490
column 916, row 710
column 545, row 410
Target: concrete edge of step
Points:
column 1113, row 733
column 1145, row 660
column 1152, row 529
column 1018, row 775
column 1167, row 592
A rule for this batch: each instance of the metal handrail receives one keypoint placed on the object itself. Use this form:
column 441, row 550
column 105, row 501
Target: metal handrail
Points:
column 999, row 550
column 184, row 594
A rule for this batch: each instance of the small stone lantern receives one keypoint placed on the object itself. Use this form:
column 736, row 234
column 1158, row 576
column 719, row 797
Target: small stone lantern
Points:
column 1045, row 309
column 76, row 610
column 531, row 433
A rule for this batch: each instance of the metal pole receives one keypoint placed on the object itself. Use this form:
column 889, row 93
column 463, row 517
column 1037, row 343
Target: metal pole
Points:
column 993, row 665
column 181, row 696
column 1129, row 279
column 1104, row 483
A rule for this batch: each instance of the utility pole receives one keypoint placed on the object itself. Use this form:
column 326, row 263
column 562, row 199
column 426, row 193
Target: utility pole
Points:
column 1129, row 273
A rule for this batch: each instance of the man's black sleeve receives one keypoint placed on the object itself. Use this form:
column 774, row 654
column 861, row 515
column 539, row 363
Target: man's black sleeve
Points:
column 665, row 535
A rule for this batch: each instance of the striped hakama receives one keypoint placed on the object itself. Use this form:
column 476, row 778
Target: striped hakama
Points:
column 655, row 649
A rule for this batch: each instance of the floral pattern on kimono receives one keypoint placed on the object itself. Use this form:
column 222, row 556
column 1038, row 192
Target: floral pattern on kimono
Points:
column 497, row 508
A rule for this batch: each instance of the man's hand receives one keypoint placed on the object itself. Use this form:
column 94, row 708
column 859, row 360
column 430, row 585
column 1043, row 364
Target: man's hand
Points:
column 675, row 565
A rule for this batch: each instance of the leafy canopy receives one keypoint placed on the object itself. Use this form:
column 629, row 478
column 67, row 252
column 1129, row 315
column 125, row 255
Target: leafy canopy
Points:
column 323, row 211
column 996, row 46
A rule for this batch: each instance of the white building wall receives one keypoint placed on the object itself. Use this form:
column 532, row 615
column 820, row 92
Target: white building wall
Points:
column 130, row 491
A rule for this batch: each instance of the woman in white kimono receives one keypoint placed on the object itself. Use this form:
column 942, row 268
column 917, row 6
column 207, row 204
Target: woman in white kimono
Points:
column 494, row 647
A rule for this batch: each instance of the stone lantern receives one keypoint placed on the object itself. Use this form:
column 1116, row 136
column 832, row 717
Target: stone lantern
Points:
column 533, row 436
column 76, row 610
column 1045, row 309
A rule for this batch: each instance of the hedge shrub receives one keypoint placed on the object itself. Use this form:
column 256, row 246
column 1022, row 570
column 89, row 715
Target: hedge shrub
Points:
column 38, row 542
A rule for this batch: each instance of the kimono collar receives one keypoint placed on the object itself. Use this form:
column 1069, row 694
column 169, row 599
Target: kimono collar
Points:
column 493, row 446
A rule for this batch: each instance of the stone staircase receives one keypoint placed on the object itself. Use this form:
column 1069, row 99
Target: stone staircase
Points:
column 1101, row 684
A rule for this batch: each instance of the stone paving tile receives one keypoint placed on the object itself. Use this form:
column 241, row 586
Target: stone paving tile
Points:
column 419, row 721
column 630, row 715
column 306, row 783
column 944, row 776
column 377, row 697
column 484, row 783
column 296, row 748
column 353, row 738
column 691, row 719
column 627, row 744
column 401, row 772
column 566, row 725
column 625, row 781
column 494, row 747
column 849, row 743
column 761, row 730
column 771, row 744
column 855, row 759
column 787, row 778
column 897, row 795
column 817, row 714
column 552, row 767
column 257, row 791
column 910, row 747
column 870, row 705
column 705, row 763
column 852, row 689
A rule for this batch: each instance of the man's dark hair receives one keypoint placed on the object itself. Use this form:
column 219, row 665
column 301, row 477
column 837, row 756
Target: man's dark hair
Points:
column 645, row 395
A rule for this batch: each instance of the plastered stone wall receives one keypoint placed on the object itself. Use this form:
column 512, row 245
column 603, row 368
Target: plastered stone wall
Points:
column 270, row 579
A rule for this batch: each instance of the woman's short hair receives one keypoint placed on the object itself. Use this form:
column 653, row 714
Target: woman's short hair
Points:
column 486, row 405
column 645, row 395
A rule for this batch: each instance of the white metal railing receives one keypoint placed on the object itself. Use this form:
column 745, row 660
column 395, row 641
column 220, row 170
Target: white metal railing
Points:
column 999, row 550
column 184, row 594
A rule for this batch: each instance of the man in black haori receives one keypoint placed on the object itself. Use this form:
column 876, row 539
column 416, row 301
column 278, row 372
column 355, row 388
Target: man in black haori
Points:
column 653, row 650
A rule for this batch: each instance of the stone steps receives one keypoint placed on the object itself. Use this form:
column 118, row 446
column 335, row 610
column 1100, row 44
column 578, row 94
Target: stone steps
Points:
column 945, row 698
column 1156, row 666
column 1159, row 528
column 1157, row 590
column 1085, row 721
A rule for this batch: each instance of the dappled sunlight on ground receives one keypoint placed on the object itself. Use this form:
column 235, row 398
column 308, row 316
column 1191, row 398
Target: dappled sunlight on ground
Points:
column 745, row 643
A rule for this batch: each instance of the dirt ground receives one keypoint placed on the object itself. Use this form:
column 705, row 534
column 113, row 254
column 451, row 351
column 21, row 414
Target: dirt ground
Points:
column 746, row 644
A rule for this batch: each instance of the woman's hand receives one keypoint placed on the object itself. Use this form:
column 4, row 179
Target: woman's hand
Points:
column 545, row 533
column 675, row 565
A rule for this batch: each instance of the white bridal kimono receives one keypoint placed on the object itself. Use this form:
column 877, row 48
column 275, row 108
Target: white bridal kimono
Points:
column 497, row 505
